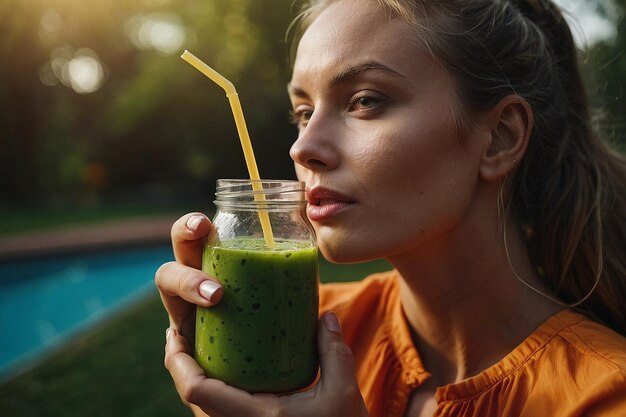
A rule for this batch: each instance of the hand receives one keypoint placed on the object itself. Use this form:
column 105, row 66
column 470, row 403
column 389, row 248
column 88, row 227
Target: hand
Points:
column 335, row 395
column 182, row 285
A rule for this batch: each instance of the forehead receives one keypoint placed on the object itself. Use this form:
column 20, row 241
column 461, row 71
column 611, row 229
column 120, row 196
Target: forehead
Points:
column 349, row 32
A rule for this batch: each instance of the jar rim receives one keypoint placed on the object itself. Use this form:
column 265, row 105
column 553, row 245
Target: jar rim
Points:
column 260, row 194
column 224, row 182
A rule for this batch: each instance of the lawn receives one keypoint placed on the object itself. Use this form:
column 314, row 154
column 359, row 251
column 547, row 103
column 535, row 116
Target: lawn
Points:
column 116, row 369
column 24, row 220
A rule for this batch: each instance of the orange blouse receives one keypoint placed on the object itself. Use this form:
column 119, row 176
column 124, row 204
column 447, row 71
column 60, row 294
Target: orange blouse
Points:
column 570, row 366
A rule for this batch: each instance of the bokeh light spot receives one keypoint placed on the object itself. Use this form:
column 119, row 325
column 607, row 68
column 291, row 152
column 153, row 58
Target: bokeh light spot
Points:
column 85, row 73
column 162, row 32
column 81, row 71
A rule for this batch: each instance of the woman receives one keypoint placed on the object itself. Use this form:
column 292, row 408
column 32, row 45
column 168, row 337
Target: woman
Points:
column 453, row 139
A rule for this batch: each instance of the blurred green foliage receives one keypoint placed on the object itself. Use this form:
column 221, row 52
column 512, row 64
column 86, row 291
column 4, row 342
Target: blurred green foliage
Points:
column 156, row 132
column 604, row 65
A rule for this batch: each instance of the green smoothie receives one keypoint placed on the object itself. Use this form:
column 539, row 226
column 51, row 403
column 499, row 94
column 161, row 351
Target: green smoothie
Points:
column 261, row 337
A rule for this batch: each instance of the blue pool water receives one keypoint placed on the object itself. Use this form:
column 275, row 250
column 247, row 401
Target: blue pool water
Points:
column 44, row 302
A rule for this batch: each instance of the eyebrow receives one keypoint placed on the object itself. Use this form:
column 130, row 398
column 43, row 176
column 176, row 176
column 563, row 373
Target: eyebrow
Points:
column 348, row 74
column 354, row 71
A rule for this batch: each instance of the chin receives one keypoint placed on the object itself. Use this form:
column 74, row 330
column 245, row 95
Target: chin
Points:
column 348, row 251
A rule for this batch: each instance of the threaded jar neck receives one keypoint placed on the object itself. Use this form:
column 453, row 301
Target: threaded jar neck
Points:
column 276, row 195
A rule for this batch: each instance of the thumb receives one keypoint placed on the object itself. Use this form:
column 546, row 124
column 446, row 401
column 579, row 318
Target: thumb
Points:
column 338, row 370
column 337, row 391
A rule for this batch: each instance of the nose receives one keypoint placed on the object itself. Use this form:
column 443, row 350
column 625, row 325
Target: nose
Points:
column 315, row 149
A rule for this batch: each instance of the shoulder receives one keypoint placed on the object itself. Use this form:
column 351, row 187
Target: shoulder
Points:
column 569, row 366
column 589, row 360
column 591, row 343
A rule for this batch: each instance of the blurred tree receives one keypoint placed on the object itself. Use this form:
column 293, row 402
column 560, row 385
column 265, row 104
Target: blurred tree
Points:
column 22, row 98
column 95, row 101
column 605, row 69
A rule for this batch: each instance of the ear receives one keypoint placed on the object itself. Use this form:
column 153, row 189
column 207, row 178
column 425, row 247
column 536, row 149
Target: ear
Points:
column 511, row 123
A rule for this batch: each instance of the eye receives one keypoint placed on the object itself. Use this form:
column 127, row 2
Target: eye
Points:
column 365, row 102
column 301, row 115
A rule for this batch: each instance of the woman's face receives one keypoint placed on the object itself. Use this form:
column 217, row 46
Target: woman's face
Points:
column 386, row 166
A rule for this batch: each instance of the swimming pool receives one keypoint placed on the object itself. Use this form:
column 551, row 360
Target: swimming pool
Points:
column 45, row 302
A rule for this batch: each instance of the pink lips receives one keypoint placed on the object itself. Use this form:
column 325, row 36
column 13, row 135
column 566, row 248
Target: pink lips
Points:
column 325, row 203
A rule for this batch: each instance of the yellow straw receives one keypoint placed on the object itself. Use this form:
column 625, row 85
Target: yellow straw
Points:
column 244, row 137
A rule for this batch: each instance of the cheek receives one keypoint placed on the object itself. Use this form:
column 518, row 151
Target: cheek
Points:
column 420, row 179
column 371, row 150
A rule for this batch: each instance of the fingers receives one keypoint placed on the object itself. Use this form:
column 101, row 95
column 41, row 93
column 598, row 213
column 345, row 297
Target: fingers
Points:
column 188, row 234
column 178, row 280
column 336, row 360
column 336, row 395
column 181, row 283
column 212, row 396
column 183, row 368
column 338, row 370
column 181, row 287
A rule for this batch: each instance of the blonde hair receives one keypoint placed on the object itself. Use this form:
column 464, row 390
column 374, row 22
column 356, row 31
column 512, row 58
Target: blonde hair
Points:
column 569, row 194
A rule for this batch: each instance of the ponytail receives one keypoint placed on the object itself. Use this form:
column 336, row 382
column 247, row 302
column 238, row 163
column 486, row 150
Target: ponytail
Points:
column 572, row 204
column 569, row 194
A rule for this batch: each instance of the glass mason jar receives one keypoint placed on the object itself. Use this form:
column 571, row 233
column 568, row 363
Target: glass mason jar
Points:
column 261, row 337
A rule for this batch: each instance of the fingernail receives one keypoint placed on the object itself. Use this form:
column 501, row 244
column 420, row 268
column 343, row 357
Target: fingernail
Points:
column 169, row 332
column 331, row 322
column 194, row 221
column 211, row 290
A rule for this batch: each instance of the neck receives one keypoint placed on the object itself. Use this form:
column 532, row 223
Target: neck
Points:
column 465, row 305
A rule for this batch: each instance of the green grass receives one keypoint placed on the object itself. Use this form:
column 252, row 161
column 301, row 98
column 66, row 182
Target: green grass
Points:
column 116, row 369
column 113, row 370
column 24, row 220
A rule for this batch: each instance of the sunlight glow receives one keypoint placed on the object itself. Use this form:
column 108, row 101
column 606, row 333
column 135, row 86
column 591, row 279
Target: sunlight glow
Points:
column 155, row 3
column 588, row 26
column 79, row 70
column 51, row 21
column 162, row 32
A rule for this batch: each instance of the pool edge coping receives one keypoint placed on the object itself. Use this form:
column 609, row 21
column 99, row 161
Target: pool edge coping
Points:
column 83, row 238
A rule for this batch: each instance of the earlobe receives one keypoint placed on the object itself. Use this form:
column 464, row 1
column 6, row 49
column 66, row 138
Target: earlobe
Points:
column 511, row 126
